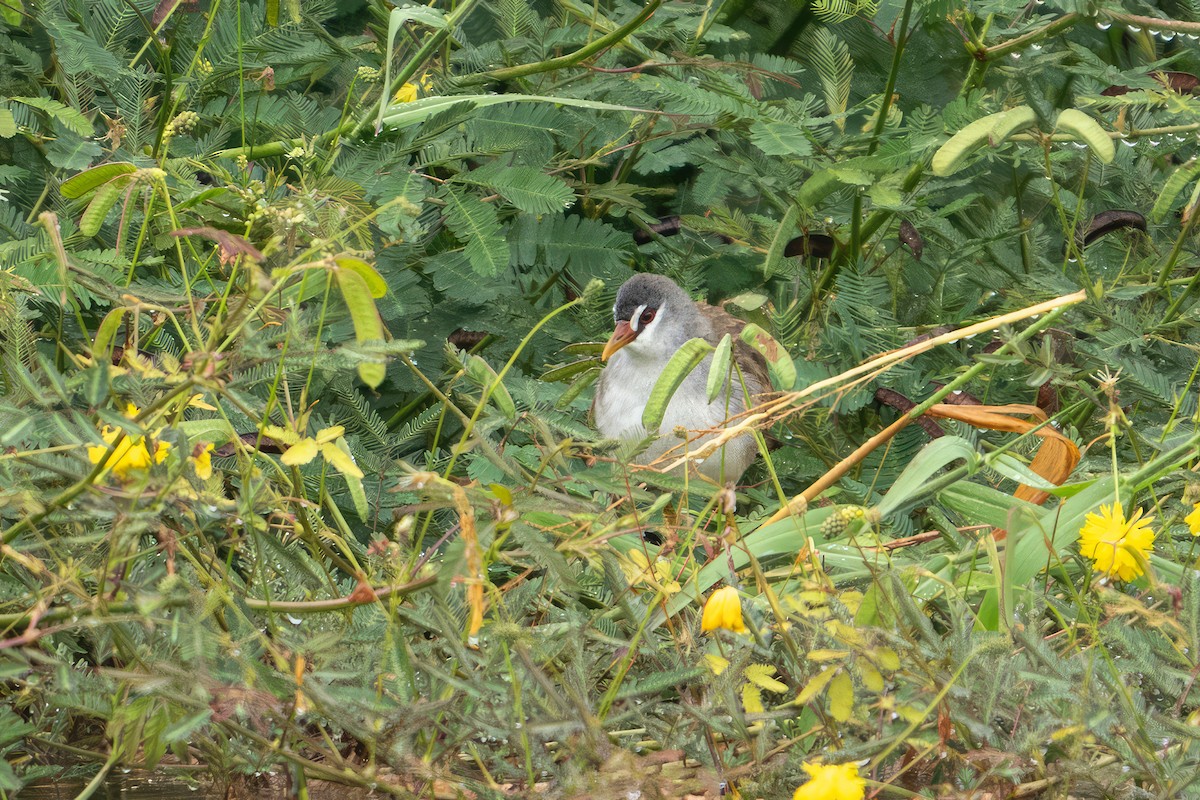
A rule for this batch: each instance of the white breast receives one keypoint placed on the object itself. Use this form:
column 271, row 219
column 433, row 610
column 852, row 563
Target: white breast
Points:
column 626, row 385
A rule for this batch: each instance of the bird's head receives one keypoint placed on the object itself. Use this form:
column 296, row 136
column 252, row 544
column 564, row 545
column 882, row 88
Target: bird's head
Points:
column 653, row 317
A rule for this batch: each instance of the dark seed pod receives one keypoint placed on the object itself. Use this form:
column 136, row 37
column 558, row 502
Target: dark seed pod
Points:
column 464, row 339
column 938, row 331
column 1107, row 222
column 910, row 236
column 1181, row 82
column 1047, row 398
column 817, row 245
column 253, row 441
column 892, row 398
column 667, row 226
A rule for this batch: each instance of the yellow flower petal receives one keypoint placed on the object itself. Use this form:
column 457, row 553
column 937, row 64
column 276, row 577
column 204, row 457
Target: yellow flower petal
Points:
column 831, row 782
column 723, row 610
column 1118, row 547
column 201, row 459
column 301, row 452
column 1193, row 520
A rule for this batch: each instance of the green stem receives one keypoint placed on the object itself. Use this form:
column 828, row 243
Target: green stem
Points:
column 1169, row 266
column 491, row 387
column 1020, row 42
column 95, row 782
column 571, row 59
column 979, row 366
column 890, row 87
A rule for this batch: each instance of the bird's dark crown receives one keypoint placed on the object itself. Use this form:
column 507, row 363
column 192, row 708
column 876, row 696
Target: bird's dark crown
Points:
column 650, row 291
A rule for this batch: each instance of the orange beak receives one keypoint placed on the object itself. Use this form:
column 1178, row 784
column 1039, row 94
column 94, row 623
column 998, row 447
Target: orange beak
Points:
column 622, row 336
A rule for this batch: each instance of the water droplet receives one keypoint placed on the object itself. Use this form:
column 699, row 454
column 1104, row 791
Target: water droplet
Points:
column 293, row 620
column 1155, row 142
column 1103, row 25
column 1072, row 260
column 1015, row 56
column 1195, row 37
column 1168, row 35
column 1079, row 145
column 1134, row 29
column 1128, row 142
column 1035, row 47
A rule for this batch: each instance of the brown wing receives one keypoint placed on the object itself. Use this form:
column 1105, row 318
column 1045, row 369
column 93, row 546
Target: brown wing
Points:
column 753, row 365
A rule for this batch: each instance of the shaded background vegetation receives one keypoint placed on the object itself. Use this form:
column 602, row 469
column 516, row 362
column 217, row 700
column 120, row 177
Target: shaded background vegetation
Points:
column 406, row 289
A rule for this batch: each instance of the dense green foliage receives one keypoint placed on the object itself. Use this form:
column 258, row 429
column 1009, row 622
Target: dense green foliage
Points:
column 298, row 316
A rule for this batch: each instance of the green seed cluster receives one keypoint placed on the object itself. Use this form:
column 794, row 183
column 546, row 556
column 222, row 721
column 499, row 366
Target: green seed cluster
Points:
column 837, row 522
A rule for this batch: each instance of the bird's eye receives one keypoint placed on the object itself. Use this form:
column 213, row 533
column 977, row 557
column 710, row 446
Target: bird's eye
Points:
column 647, row 316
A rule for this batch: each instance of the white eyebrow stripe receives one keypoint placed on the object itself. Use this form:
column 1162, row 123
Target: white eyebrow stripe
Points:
column 635, row 320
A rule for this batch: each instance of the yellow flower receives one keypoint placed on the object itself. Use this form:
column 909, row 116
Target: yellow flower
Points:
column 723, row 610
column 1193, row 520
column 1118, row 547
column 131, row 455
column 831, row 782
column 637, row 569
column 202, row 460
column 408, row 92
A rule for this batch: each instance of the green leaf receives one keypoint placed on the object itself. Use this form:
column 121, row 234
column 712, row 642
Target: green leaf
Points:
column 70, row 152
column 71, row 118
column 12, row 12
column 779, row 242
column 485, row 377
column 430, row 16
column 932, row 458
column 474, row 223
column 365, row 317
column 527, row 188
column 859, row 171
column 775, row 138
column 686, row 359
column 718, row 370
column 830, row 58
column 841, row 697
column 86, row 181
column 8, row 124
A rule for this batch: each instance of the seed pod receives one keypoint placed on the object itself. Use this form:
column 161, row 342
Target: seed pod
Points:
column 1076, row 122
column 991, row 130
column 667, row 226
column 910, row 236
column 817, row 245
column 1107, row 222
